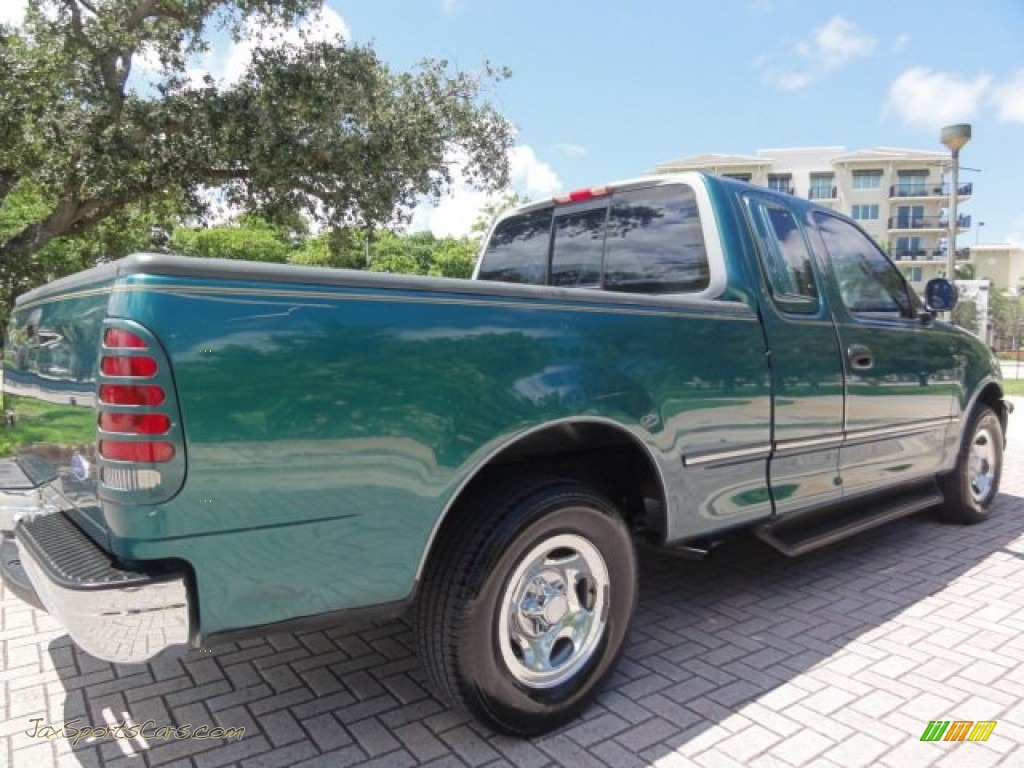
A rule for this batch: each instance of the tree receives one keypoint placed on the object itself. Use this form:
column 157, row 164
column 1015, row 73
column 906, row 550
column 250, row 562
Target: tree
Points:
column 133, row 228
column 247, row 238
column 965, row 314
column 1007, row 316
column 321, row 128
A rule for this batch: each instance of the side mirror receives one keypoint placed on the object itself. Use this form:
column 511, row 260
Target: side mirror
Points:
column 940, row 295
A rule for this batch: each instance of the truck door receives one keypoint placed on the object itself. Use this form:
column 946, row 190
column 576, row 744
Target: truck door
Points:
column 806, row 369
column 900, row 374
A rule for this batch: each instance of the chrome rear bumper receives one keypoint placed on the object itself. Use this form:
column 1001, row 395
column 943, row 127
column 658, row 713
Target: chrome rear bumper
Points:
column 114, row 614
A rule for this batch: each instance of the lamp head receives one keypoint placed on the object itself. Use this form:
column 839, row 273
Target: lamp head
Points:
column 955, row 136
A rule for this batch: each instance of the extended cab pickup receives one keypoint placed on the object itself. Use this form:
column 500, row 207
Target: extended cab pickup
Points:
column 207, row 447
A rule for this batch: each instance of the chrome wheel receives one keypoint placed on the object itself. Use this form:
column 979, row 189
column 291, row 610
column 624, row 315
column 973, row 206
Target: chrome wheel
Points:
column 554, row 611
column 982, row 463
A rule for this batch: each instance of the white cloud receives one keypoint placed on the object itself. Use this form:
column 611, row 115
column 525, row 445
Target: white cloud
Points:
column 530, row 175
column 229, row 66
column 12, row 12
column 325, row 25
column 571, row 150
column 930, row 99
column 900, row 43
column 829, row 48
column 455, row 214
column 1009, row 99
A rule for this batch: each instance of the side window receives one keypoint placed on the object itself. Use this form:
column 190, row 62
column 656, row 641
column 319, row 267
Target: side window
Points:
column 868, row 281
column 787, row 259
column 578, row 246
column 518, row 250
column 655, row 243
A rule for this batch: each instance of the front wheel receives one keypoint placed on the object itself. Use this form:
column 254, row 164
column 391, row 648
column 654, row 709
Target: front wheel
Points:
column 971, row 487
column 526, row 606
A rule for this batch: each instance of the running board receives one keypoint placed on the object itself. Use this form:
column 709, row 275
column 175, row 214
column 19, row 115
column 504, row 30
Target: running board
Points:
column 797, row 535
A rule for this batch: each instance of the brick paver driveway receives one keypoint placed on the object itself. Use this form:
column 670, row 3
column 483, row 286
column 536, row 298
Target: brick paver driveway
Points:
column 839, row 658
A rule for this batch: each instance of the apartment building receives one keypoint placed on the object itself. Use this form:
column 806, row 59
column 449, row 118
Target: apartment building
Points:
column 899, row 196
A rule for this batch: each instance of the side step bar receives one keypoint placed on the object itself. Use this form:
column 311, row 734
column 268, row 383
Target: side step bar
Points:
column 795, row 536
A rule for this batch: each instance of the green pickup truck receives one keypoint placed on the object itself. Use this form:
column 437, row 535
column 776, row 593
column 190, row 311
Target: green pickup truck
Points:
column 206, row 448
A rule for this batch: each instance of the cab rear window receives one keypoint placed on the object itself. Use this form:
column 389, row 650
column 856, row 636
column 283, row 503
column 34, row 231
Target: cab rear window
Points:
column 641, row 240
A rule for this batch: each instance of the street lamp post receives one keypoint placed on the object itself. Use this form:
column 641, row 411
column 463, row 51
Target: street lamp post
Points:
column 954, row 137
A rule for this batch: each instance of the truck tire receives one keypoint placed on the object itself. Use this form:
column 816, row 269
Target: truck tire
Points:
column 971, row 487
column 525, row 606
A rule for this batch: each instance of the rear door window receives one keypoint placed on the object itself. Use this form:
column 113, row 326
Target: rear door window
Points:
column 518, row 250
column 579, row 243
column 655, row 243
column 646, row 240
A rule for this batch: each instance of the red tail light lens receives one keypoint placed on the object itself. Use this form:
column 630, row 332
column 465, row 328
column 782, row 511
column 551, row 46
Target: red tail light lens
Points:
column 135, row 423
column 131, row 394
column 117, row 450
column 128, row 366
column 118, row 338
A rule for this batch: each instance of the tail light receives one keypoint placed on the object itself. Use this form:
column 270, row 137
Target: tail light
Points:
column 140, row 450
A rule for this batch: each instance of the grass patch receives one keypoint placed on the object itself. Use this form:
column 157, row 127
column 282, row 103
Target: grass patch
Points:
column 1014, row 387
column 40, row 422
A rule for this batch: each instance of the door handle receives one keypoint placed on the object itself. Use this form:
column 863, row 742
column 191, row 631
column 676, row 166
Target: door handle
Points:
column 860, row 357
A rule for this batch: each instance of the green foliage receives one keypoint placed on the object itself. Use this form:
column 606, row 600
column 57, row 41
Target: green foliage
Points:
column 130, row 229
column 250, row 238
column 345, row 249
column 965, row 314
column 318, row 128
column 422, row 253
column 1007, row 314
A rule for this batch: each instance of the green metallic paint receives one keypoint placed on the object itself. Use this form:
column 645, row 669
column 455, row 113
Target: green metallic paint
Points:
column 330, row 422
column 323, row 450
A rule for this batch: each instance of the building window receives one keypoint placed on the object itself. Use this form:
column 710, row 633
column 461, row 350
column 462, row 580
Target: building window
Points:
column 909, row 248
column 738, row 176
column 910, row 216
column 822, row 186
column 865, row 212
column 781, row 182
column 915, row 274
column 867, row 179
column 912, row 183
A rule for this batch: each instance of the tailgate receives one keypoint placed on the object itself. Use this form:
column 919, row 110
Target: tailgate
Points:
column 48, row 430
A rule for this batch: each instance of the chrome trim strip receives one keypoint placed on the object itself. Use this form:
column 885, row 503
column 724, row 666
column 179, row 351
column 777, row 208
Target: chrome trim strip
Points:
column 720, row 456
column 903, row 429
column 834, row 439
column 124, row 626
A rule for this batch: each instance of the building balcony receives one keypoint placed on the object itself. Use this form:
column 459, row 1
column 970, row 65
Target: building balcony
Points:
column 925, row 191
column 927, row 254
column 823, row 194
column 939, row 223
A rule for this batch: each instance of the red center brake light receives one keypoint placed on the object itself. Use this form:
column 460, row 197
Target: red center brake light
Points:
column 578, row 195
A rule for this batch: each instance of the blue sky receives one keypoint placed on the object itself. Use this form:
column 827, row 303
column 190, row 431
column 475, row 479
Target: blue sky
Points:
column 602, row 91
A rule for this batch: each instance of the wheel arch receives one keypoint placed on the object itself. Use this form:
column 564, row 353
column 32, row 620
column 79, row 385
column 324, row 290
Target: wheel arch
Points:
column 599, row 452
column 990, row 393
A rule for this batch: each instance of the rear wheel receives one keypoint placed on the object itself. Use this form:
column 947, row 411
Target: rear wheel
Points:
column 971, row 487
column 526, row 606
